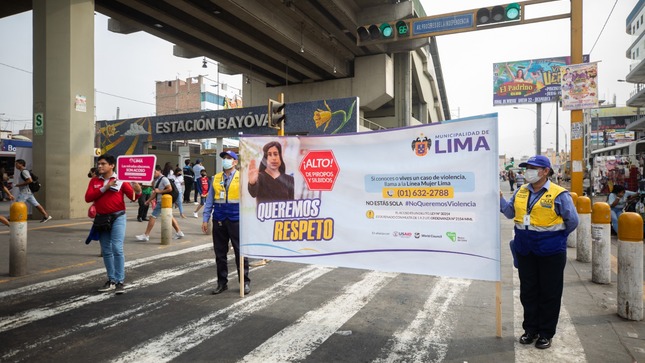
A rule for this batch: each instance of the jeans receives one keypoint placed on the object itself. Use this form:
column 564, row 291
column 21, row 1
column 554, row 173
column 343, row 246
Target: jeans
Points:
column 197, row 188
column 112, row 250
column 615, row 213
column 179, row 204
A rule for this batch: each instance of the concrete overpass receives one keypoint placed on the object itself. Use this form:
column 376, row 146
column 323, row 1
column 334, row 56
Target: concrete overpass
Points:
column 305, row 49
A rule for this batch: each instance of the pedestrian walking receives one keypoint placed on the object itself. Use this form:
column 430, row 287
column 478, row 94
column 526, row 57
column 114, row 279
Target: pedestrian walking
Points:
column 197, row 170
column 161, row 186
column 189, row 180
column 203, row 185
column 179, row 184
column 107, row 193
column 21, row 180
column 142, row 212
column 223, row 207
column 519, row 179
column 544, row 215
column 511, row 179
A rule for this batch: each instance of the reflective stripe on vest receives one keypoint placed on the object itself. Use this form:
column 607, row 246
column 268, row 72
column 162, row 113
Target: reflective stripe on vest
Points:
column 543, row 216
column 233, row 188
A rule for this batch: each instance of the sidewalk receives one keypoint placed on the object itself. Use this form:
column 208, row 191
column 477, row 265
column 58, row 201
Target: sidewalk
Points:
column 57, row 248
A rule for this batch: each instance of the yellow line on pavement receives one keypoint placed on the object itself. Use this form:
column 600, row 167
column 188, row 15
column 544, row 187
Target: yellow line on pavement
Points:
column 67, row 267
column 51, row 226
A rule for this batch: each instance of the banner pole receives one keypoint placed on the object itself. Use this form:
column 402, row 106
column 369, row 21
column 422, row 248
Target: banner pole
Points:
column 241, row 276
column 498, row 307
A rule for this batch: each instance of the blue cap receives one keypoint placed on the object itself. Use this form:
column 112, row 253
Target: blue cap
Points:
column 229, row 153
column 540, row 161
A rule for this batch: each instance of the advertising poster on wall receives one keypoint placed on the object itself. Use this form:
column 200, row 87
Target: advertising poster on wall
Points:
column 417, row 200
column 580, row 87
column 529, row 81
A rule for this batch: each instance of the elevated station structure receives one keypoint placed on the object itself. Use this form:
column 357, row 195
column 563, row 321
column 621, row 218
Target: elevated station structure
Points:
column 304, row 49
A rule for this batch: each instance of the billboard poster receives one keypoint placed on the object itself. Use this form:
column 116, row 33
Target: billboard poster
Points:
column 528, row 81
column 413, row 200
column 323, row 117
column 580, row 86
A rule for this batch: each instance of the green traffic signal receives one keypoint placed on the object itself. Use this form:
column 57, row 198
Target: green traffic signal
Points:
column 386, row 31
column 402, row 28
column 498, row 13
column 512, row 11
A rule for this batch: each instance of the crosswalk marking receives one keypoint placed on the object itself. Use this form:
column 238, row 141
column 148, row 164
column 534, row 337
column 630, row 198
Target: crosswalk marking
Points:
column 566, row 345
column 297, row 341
column 428, row 334
column 51, row 284
column 29, row 316
column 173, row 343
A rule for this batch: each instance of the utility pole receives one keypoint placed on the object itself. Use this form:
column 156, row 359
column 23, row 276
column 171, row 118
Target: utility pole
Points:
column 577, row 167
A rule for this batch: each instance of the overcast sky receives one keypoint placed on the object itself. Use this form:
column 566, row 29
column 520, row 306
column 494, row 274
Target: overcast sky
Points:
column 127, row 66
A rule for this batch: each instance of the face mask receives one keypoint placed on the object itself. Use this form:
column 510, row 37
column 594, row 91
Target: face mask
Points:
column 227, row 164
column 531, row 176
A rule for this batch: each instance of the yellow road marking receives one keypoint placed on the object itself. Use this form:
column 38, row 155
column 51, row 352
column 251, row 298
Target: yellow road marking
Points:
column 51, row 226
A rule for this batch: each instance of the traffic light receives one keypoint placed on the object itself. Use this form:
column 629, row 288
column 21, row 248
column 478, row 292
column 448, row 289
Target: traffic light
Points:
column 276, row 114
column 498, row 13
column 383, row 31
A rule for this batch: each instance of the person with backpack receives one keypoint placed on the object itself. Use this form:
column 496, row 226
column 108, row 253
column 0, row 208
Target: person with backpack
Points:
column 162, row 185
column 21, row 180
column 189, row 180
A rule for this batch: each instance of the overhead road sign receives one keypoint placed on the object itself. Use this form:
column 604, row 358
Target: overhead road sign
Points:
column 462, row 21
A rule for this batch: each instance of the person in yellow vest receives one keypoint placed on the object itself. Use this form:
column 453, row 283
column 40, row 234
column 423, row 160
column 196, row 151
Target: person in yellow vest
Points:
column 544, row 215
column 223, row 204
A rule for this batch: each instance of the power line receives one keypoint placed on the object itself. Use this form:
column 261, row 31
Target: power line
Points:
column 105, row 93
column 603, row 27
column 125, row 98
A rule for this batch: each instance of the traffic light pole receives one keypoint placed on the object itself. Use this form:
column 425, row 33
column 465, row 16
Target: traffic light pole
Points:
column 577, row 165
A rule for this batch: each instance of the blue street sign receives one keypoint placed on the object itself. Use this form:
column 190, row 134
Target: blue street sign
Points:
column 436, row 25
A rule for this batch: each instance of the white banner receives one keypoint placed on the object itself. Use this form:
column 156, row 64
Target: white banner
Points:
column 416, row 200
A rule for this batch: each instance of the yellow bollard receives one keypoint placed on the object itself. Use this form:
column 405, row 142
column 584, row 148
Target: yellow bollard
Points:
column 630, row 266
column 166, row 218
column 583, row 240
column 18, row 239
column 601, row 243
column 573, row 236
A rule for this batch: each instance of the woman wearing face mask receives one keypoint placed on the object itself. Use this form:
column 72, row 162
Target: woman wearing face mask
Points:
column 270, row 182
column 544, row 215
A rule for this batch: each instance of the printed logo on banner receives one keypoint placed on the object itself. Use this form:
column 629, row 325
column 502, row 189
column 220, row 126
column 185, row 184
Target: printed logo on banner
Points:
column 421, row 146
column 452, row 236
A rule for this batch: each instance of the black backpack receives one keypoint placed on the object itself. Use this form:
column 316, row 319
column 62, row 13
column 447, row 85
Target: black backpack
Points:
column 34, row 186
column 175, row 193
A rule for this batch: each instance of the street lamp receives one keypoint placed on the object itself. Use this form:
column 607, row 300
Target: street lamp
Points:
column 566, row 136
column 538, row 126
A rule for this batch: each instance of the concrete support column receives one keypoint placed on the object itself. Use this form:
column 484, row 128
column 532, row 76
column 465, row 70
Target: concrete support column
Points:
column 402, row 88
column 63, row 86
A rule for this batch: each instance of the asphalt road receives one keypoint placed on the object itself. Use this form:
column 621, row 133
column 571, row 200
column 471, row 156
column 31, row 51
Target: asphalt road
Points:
column 295, row 312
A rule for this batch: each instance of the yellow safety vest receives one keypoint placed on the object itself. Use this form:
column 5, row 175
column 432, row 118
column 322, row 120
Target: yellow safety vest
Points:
column 219, row 189
column 543, row 216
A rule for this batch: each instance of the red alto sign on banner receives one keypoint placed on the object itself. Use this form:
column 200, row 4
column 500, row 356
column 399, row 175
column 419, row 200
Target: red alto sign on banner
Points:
column 319, row 169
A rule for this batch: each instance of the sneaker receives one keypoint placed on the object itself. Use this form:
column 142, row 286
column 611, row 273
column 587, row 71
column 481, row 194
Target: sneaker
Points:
column 195, row 215
column 196, row 203
column 109, row 286
column 119, row 288
column 142, row 237
column 178, row 235
column 45, row 219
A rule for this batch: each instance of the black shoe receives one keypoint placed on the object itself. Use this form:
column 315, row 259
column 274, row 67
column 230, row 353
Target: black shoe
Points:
column 247, row 288
column 528, row 338
column 139, row 219
column 543, row 343
column 144, row 219
column 220, row 289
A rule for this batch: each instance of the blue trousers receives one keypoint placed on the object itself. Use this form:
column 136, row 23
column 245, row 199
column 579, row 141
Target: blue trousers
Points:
column 112, row 250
